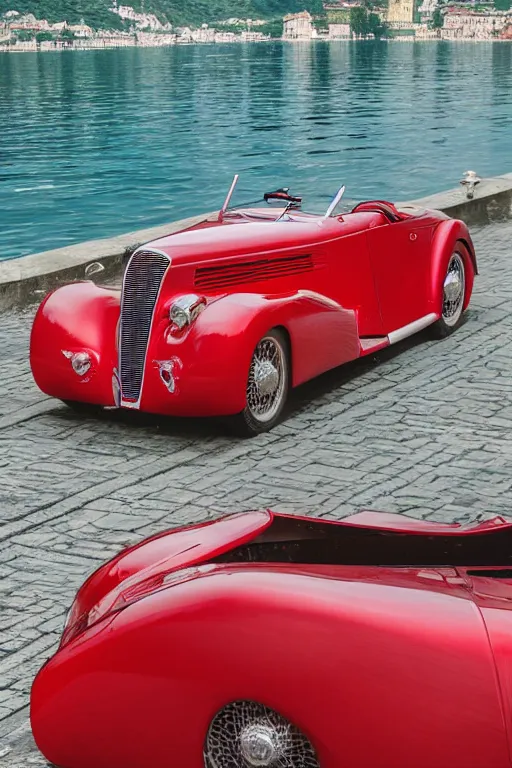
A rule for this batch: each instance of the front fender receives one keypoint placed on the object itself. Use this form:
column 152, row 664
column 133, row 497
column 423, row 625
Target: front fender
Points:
column 214, row 355
column 447, row 234
column 76, row 317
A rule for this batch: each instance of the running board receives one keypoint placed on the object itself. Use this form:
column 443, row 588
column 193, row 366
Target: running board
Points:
column 409, row 330
column 371, row 344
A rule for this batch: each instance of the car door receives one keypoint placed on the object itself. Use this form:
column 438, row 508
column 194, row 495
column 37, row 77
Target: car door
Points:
column 350, row 280
column 400, row 260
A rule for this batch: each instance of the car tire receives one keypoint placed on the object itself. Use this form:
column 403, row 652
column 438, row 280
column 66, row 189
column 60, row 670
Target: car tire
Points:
column 455, row 292
column 267, row 388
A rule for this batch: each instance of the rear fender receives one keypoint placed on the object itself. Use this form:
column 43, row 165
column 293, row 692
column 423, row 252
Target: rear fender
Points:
column 332, row 655
column 76, row 317
column 447, row 234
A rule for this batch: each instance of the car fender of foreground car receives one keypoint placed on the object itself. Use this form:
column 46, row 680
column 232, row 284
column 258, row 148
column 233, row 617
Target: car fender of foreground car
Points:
column 223, row 318
column 275, row 641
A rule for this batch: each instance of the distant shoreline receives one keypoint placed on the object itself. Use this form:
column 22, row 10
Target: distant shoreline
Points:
column 398, row 39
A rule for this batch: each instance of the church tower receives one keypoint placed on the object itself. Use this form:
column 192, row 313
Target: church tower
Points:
column 401, row 11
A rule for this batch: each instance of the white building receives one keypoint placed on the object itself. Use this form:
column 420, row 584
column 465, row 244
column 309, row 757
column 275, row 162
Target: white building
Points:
column 339, row 31
column 203, row 35
column 155, row 39
column 81, row 30
column 298, row 26
column 427, row 8
column 225, row 37
column 253, row 37
column 462, row 24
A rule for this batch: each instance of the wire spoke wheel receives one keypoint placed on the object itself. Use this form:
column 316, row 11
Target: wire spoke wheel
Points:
column 266, row 390
column 245, row 734
column 454, row 290
column 267, row 382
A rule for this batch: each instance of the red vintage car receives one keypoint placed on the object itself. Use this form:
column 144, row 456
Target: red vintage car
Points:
column 223, row 318
column 271, row 641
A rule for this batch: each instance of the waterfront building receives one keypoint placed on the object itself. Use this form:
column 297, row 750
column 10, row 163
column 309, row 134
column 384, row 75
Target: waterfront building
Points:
column 460, row 23
column 339, row 31
column 225, row 37
column 29, row 23
column 155, row 39
column 253, row 37
column 203, row 35
column 298, row 26
column 424, row 32
column 234, row 22
column 60, row 26
column 401, row 11
column 427, row 8
column 81, row 30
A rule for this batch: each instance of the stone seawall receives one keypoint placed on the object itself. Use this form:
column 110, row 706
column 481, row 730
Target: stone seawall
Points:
column 27, row 276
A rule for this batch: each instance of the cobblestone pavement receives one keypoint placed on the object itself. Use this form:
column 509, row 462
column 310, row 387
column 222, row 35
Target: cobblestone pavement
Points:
column 423, row 428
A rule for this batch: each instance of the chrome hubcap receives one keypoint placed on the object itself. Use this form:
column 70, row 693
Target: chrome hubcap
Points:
column 267, row 380
column 259, row 745
column 453, row 290
column 245, row 734
column 266, row 377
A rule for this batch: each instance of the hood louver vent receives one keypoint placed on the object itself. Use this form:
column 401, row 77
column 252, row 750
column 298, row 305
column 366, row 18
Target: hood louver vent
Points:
column 237, row 272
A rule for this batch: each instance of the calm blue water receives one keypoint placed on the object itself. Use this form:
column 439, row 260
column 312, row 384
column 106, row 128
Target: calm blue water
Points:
column 97, row 143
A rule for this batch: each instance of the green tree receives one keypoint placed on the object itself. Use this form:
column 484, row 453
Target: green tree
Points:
column 97, row 13
column 67, row 34
column 359, row 21
column 24, row 35
column 375, row 26
column 41, row 37
column 502, row 5
column 437, row 19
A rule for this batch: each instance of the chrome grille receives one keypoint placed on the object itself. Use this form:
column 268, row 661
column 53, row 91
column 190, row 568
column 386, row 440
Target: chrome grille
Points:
column 141, row 286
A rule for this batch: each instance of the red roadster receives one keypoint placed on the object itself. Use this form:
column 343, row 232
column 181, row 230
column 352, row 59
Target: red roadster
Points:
column 273, row 641
column 221, row 319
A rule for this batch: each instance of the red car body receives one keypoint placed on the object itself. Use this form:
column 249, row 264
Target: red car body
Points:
column 332, row 289
column 380, row 642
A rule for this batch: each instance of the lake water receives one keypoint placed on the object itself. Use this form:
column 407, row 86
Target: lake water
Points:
column 97, row 143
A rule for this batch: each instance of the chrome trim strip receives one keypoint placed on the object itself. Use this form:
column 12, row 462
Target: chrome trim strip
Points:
column 412, row 328
column 124, row 403
column 303, row 293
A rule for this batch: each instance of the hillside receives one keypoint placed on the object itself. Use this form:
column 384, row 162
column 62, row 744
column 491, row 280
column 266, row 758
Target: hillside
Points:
column 96, row 13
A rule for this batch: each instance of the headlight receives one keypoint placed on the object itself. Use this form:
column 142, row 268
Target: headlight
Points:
column 80, row 361
column 185, row 309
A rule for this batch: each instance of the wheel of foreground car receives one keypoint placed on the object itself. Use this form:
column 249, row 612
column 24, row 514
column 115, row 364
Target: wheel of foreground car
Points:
column 267, row 386
column 454, row 293
column 245, row 734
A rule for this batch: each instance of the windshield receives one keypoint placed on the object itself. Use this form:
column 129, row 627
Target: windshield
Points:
column 281, row 202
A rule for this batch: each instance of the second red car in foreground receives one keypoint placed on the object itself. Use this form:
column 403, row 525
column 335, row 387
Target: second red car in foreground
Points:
column 223, row 318
column 270, row 641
